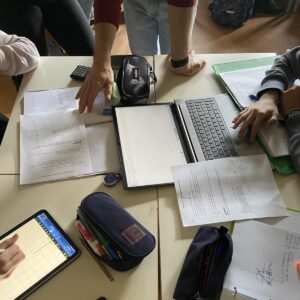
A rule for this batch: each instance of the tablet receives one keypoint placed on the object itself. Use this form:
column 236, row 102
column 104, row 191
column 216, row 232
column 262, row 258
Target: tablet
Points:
column 48, row 250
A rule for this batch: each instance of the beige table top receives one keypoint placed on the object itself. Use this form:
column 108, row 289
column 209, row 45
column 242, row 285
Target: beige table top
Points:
column 83, row 279
column 62, row 198
column 170, row 86
column 174, row 238
column 52, row 73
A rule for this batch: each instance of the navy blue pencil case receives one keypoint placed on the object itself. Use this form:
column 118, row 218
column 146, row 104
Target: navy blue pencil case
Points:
column 205, row 265
column 124, row 241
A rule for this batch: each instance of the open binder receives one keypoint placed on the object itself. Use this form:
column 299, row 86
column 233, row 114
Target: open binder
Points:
column 282, row 164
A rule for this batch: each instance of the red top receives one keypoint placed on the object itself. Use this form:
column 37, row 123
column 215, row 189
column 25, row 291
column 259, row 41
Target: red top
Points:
column 108, row 11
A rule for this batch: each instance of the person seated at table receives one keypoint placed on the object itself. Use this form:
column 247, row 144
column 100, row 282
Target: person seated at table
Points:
column 63, row 19
column 10, row 256
column 107, row 13
column 18, row 55
column 284, row 72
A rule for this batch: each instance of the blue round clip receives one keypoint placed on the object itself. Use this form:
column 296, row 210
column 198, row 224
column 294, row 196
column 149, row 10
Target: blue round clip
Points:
column 112, row 179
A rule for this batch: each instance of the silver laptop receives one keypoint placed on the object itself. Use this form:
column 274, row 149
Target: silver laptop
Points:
column 153, row 138
column 206, row 125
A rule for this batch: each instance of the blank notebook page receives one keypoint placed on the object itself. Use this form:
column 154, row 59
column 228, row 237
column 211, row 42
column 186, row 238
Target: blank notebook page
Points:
column 150, row 144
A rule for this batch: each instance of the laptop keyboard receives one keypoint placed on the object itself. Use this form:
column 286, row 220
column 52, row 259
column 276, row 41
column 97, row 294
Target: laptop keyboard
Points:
column 211, row 129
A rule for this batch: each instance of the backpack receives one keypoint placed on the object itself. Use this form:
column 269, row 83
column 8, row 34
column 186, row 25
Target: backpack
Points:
column 231, row 13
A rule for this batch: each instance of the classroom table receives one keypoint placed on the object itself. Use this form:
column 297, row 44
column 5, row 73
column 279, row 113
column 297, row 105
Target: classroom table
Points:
column 174, row 238
column 155, row 208
column 52, row 73
column 83, row 278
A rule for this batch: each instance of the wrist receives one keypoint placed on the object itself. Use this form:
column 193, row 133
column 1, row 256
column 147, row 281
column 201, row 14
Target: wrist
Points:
column 102, row 62
column 179, row 63
column 273, row 95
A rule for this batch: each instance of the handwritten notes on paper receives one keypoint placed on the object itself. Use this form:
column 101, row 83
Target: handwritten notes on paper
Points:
column 53, row 146
column 264, row 262
column 227, row 189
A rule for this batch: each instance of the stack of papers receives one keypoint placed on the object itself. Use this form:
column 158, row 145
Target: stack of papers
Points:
column 57, row 142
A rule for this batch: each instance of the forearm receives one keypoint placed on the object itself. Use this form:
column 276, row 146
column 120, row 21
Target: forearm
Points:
column 285, row 70
column 180, row 23
column 104, row 38
column 18, row 55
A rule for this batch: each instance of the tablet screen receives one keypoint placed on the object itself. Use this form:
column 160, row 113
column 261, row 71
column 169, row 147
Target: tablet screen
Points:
column 47, row 249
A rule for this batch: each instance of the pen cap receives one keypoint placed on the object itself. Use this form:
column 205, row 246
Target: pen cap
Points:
column 125, row 238
column 205, row 264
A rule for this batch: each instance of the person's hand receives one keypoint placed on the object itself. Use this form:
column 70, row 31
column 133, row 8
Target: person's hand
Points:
column 11, row 256
column 264, row 111
column 99, row 78
column 290, row 100
column 192, row 67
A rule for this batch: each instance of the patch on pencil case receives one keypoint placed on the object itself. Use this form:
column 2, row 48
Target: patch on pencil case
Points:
column 133, row 234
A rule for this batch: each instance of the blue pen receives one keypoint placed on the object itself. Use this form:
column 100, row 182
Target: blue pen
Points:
column 253, row 97
column 112, row 253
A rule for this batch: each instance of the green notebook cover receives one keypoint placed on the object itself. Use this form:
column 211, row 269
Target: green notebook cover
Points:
column 245, row 64
column 283, row 165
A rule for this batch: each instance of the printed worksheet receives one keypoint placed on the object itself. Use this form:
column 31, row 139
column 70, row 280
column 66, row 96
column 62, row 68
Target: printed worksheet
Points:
column 264, row 262
column 53, row 146
column 227, row 189
column 63, row 100
column 103, row 148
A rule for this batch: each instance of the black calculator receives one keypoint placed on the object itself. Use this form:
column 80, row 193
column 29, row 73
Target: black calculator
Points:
column 80, row 72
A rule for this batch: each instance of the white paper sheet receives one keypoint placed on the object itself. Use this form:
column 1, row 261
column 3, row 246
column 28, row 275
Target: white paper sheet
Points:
column 264, row 262
column 276, row 139
column 291, row 223
column 53, row 146
column 244, row 82
column 227, row 189
column 64, row 99
column 103, row 148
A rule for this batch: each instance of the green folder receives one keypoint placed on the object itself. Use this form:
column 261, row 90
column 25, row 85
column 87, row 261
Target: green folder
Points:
column 283, row 165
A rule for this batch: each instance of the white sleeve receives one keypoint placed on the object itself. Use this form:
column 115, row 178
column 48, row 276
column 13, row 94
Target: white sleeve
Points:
column 18, row 55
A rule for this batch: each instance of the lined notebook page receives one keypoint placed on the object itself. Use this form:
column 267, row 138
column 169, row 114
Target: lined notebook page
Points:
column 150, row 144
